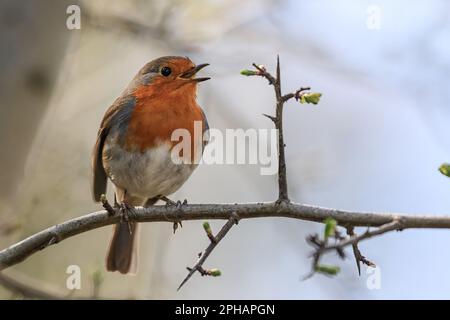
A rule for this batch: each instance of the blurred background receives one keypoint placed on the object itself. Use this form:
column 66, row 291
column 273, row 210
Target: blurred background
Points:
column 374, row 143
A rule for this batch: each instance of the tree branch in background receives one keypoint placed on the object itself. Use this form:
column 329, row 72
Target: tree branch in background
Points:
column 123, row 23
column 27, row 288
column 23, row 288
column 332, row 218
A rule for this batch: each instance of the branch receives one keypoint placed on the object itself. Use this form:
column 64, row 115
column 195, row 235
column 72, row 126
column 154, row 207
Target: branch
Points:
column 21, row 287
column 357, row 253
column 214, row 242
column 323, row 247
column 31, row 289
column 297, row 94
column 160, row 213
column 275, row 81
column 157, row 32
column 395, row 224
column 278, row 121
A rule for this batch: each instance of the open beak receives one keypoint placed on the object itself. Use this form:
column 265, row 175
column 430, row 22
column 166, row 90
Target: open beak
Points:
column 189, row 74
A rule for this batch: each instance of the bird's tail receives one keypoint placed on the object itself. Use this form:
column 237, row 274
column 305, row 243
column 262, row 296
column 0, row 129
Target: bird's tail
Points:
column 123, row 248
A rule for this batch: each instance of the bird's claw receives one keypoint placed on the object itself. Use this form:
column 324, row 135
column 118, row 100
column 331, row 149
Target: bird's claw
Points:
column 170, row 203
column 179, row 205
column 124, row 210
column 175, row 226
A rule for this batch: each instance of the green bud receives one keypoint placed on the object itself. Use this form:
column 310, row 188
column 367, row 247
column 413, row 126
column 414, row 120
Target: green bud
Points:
column 313, row 98
column 445, row 169
column 247, row 72
column 207, row 227
column 302, row 99
column 214, row 272
column 330, row 227
column 328, row 270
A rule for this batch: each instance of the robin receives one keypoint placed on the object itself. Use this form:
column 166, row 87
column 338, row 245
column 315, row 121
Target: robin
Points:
column 134, row 146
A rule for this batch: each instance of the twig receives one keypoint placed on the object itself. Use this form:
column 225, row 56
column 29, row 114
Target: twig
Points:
column 395, row 224
column 275, row 81
column 296, row 94
column 263, row 73
column 322, row 246
column 278, row 121
column 234, row 218
column 357, row 253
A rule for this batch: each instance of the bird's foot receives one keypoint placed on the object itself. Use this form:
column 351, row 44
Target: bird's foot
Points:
column 105, row 203
column 169, row 203
column 123, row 210
column 179, row 205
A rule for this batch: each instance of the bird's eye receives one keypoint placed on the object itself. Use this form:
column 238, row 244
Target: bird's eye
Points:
column 166, row 71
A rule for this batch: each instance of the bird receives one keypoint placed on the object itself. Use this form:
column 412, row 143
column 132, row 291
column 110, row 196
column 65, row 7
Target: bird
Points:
column 135, row 151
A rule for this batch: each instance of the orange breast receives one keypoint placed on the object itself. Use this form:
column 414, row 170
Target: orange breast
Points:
column 160, row 111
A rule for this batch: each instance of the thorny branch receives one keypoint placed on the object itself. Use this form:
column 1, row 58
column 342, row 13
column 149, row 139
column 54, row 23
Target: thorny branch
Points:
column 357, row 253
column 234, row 219
column 323, row 246
column 281, row 208
column 278, row 121
column 395, row 224
column 160, row 213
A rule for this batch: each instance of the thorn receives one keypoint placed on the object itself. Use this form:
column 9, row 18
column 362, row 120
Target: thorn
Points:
column 278, row 69
column 274, row 119
column 357, row 253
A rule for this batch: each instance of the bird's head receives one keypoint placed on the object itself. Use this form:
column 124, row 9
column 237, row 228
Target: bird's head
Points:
column 170, row 74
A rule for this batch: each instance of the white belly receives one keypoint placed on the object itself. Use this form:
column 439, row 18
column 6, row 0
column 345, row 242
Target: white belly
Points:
column 145, row 174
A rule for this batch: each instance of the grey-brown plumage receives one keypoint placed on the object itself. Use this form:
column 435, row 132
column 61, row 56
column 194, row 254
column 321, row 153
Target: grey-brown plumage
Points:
column 131, row 151
column 115, row 121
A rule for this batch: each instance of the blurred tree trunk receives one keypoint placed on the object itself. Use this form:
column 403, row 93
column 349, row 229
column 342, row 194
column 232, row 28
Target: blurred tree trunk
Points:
column 34, row 38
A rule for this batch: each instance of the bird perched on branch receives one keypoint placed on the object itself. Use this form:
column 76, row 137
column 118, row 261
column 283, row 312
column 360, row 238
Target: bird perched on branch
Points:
column 135, row 149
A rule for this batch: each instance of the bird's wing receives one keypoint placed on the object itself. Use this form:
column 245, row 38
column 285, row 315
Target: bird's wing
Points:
column 117, row 116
